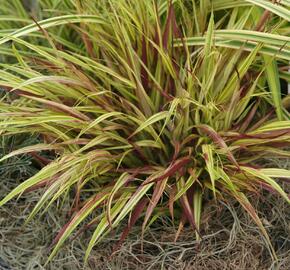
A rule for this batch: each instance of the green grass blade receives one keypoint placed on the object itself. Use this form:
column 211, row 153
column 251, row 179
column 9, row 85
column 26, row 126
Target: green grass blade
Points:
column 272, row 75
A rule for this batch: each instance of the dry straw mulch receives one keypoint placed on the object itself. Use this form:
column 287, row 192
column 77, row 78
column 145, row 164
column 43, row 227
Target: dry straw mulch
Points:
column 230, row 239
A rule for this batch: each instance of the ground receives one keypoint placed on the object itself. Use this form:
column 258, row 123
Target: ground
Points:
column 230, row 239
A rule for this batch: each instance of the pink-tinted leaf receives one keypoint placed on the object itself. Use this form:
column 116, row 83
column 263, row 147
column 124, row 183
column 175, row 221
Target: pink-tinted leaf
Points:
column 188, row 212
column 171, row 170
column 219, row 141
column 180, row 226
column 134, row 217
column 157, row 193
column 144, row 58
column 171, row 201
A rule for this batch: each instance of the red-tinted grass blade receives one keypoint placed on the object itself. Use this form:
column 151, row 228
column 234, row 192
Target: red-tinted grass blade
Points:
column 189, row 213
column 134, row 217
column 157, row 193
column 171, row 170
column 220, row 142
column 144, row 58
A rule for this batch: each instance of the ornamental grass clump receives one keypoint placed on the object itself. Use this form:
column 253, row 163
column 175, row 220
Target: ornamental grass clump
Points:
column 147, row 108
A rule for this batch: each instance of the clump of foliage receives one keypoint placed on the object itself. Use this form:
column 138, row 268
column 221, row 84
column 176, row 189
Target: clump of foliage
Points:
column 149, row 107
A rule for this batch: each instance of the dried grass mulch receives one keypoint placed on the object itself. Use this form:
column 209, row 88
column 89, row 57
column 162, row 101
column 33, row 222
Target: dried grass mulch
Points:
column 230, row 239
